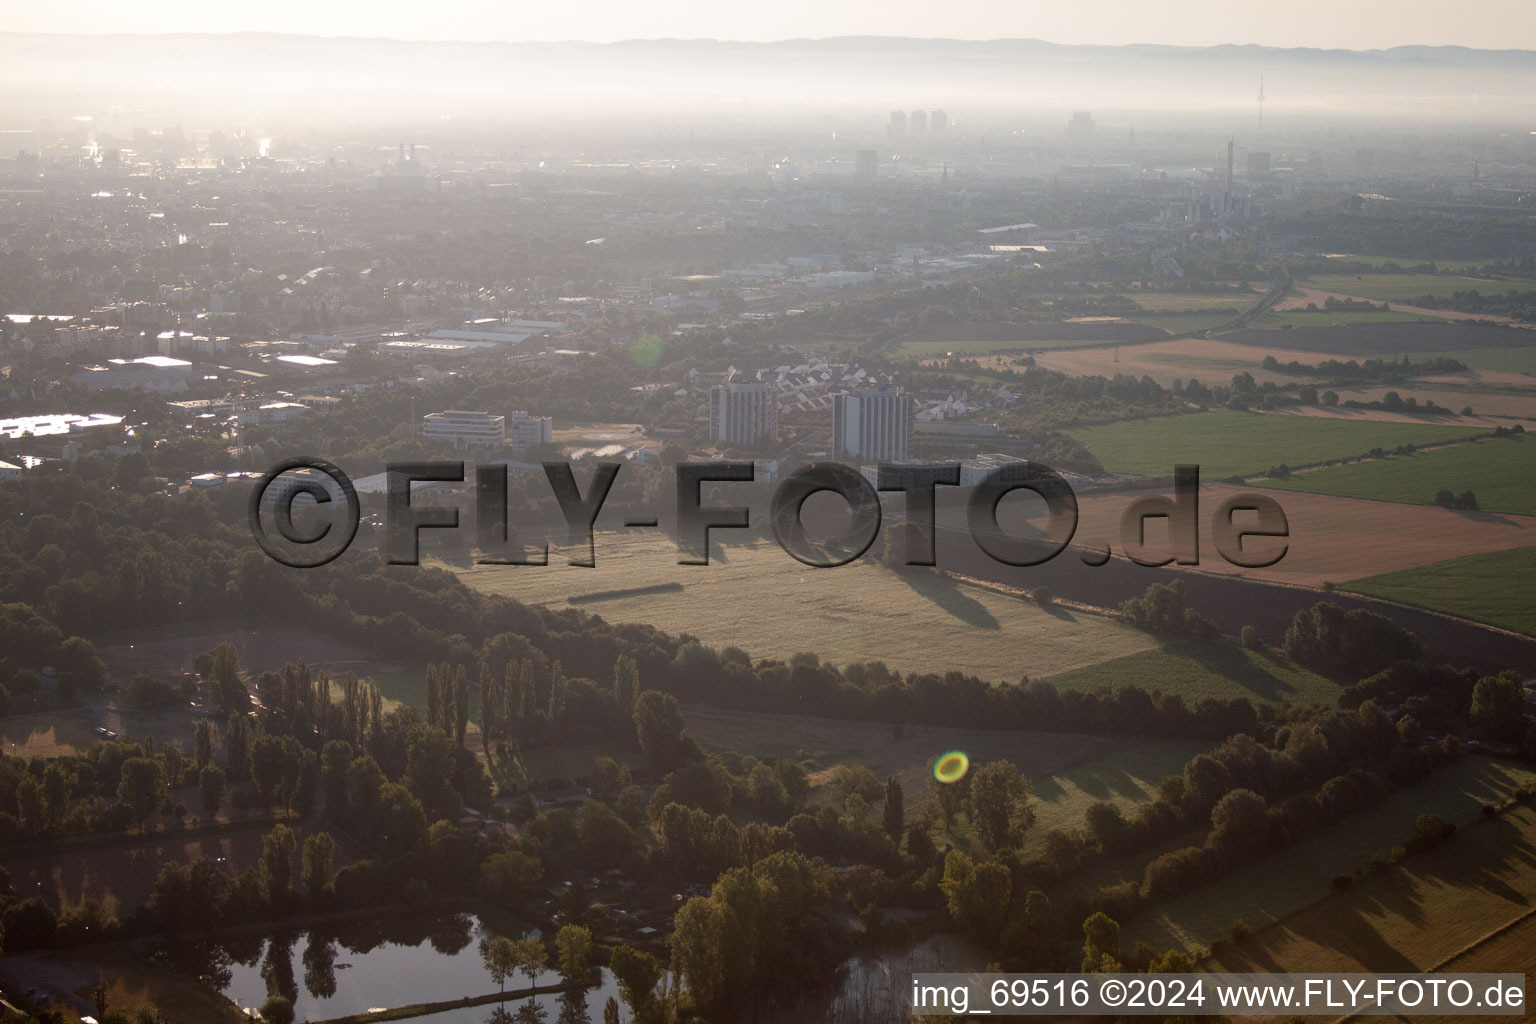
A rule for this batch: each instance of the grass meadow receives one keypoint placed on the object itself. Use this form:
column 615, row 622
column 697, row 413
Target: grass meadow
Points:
column 1493, row 360
column 1224, row 442
column 760, row 599
column 1501, row 471
column 1206, row 669
column 1408, row 287
column 1493, row 588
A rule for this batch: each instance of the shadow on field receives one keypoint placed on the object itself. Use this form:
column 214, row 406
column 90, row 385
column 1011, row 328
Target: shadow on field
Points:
column 1483, row 872
column 1232, row 663
column 942, row 590
column 1102, row 779
column 1487, row 517
column 1351, row 932
column 1350, row 923
column 1056, row 611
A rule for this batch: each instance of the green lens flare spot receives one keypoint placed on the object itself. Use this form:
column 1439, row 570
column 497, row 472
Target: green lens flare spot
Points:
column 951, row 767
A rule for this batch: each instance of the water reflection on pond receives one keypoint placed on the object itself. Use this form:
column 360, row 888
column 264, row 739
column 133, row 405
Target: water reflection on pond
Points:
column 404, row 960
column 400, row 960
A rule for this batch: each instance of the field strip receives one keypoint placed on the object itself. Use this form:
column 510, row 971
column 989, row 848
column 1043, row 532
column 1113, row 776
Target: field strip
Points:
column 1463, row 951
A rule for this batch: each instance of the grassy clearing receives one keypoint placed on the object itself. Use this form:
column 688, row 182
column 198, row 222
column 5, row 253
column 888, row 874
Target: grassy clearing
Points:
column 1069, row 772
column 1492, row 588
column 1502, row 472
column 1206, row 669
column 1224, row 442
column 1126, row 777
column 542, row 764
column 1416, row 916
column 1266, row 890
column 760, row 599
column 48, row 734
column 1408, row 287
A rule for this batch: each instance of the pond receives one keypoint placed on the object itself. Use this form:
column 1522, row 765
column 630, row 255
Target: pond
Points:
column 405, row 960
column 351, row 967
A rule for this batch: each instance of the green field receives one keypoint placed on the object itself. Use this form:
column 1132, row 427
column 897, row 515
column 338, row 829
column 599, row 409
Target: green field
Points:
column 760, row 599
column 1068, row 771
column 1224, row 442
column 1205, row 669
column 1495, row 360
column 1176, row 302
column 1327, row 318
column 1408, row 287
column 1493, row 588
column 1459, row 265
column 1501, row 471
column 1266, row 890
column 1419, row 915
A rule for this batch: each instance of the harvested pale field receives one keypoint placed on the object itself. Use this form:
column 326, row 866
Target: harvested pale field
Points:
column 1303, row 296
column 1404, row 920
column 760, row 599
column 1332, row 539
column 1211, row 360
column 1417, row 916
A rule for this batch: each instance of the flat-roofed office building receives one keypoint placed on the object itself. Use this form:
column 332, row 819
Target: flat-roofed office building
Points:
column 464, row 429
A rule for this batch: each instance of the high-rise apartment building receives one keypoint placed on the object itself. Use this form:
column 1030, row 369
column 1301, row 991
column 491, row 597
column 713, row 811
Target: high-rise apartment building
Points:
column 864, row 165
column 524, row 431
column 874, row 424
column 743, row 413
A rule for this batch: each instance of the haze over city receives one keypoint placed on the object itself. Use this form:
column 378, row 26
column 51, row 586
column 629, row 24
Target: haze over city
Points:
column 1351, row 24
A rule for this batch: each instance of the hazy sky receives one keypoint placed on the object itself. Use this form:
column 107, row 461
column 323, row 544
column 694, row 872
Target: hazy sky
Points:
column 1349, row 24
